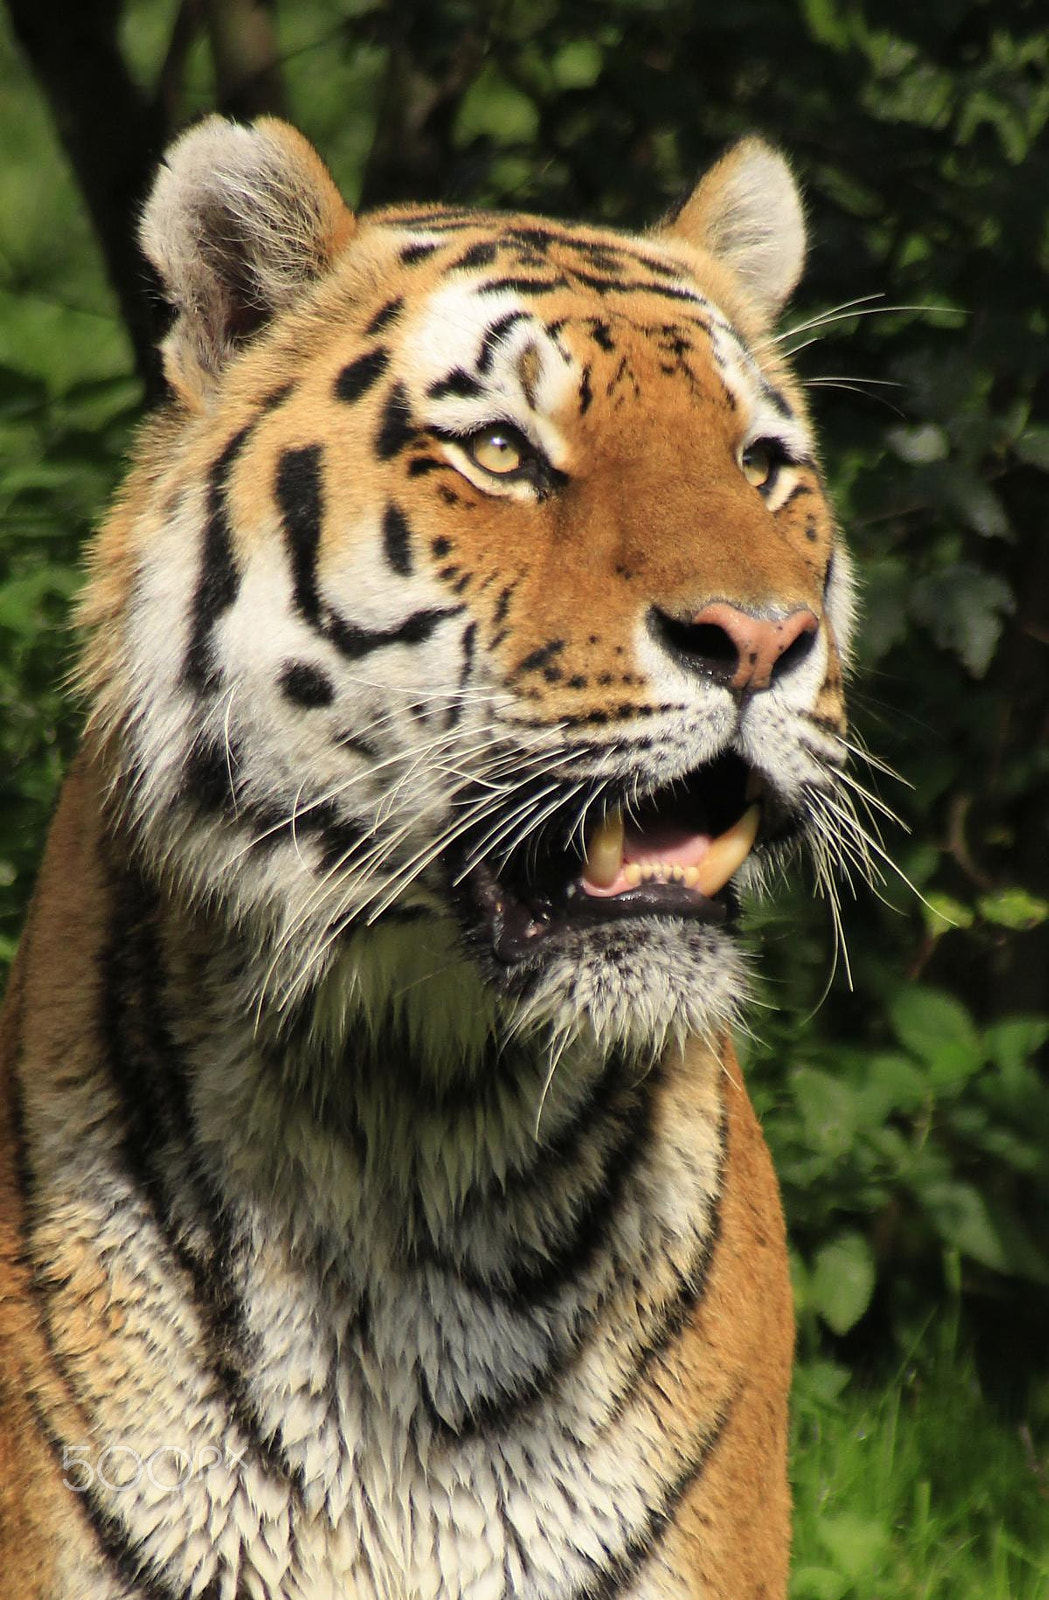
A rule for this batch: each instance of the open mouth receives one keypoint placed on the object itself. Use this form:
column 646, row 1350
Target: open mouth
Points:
column 671, row 854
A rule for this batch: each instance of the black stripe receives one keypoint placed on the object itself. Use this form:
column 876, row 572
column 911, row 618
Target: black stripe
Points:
column 384, row 316
column 537, row 238
column 211, row 782
column 210, row 778
column 193, row 1221
column 536, row 1279
column 481, row 254
column 219, row 578
column 618, row 253
column 354, row 642
column 396, row 429
column 494, row 336
column 457, row 382
column 355, row 742
column 799, row 490
column 536, row 1283
column 671, row 1321
column 397, row 540
column 218, row 582
column 414, row 253
column 540, row 658
column 777, row 400
column 358, row 376
column 528, row 286
column 469, row 643
column 621, row 1571
column 305, row 685
column 300, row 501
column 339, row 835
column 125, row 1555
column 599, row 719
column 449, row 218
column 666, row 291
column 503, row 603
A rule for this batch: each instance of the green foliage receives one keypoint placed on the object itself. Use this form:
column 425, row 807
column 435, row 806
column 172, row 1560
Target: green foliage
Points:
column 912, row 1491
column 59, row 457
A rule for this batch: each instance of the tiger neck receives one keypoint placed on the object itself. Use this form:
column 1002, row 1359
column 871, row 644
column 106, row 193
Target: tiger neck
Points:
column 350, row 1124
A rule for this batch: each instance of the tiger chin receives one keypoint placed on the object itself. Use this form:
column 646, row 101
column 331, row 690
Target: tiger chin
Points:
column 383, row 1211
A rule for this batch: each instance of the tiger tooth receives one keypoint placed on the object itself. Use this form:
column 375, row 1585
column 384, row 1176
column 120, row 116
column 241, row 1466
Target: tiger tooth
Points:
column 604, row 851
column 691, row 875
column 632, row 874
column 727, row 853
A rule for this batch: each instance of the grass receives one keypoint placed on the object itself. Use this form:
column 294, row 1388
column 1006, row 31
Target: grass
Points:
column 913, row 1491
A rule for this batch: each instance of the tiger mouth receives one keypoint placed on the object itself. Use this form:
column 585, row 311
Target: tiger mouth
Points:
column 672, row 854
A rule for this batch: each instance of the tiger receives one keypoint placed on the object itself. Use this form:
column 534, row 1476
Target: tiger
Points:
column 383, row 1211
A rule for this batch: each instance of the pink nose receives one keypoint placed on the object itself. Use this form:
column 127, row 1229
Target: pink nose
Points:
column 746, row 651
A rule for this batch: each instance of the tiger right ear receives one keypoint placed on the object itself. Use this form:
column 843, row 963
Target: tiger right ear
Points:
column 240, row 221
column 746, row 211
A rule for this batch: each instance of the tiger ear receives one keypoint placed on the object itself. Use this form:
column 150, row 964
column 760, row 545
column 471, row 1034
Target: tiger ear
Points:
column 240, row 221
column 746, row 211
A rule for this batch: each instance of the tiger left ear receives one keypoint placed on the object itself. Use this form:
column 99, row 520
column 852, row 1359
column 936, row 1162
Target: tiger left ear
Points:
column 240, row 222
column 746, row 212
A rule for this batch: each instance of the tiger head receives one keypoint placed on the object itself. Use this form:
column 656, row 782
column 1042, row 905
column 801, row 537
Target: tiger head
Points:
column 471, row 631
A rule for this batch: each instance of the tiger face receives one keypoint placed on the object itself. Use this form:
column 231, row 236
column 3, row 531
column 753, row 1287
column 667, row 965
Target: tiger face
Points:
column 472, row 632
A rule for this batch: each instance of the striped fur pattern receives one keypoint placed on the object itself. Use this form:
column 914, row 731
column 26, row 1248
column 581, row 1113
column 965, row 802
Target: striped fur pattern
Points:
column 377, row 1223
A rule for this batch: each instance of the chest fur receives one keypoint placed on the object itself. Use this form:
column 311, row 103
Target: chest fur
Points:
column 379, row 1346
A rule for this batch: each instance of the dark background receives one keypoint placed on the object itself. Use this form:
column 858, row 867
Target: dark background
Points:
column 908, row 1113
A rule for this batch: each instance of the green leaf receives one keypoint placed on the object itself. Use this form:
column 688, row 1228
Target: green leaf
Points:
column 496, row 109
column 919, row 443
column 1013, row 908
column 577, row 65
column 963, row 1220
column 942, row 913
column 842, row 1281
column 893, row 1084
column 818, row 1583
column 982, row 510
column 963, row 608
column 826, row 23
column 1033, row 447
column 828, row 1109
column 20, row 599
column 820, row 1382
column 855, row 1543
column 1012, row 1044
column 887, row 588
column 937, row 1029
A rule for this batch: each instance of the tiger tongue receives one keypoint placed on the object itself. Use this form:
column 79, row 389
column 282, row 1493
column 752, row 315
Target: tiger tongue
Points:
column 621, row 857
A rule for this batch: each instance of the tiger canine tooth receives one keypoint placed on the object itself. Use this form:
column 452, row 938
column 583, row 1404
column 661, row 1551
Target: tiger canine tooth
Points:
column 728, row 852
column 604, row 851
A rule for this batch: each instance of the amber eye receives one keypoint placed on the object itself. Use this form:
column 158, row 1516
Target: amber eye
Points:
column 759, row 463
column 499, row 449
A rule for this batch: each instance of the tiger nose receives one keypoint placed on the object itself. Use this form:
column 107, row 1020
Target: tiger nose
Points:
column 743, row 651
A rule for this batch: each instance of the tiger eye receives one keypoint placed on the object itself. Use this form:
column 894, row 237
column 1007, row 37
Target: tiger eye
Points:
column 756, row 463
column 497, row 451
